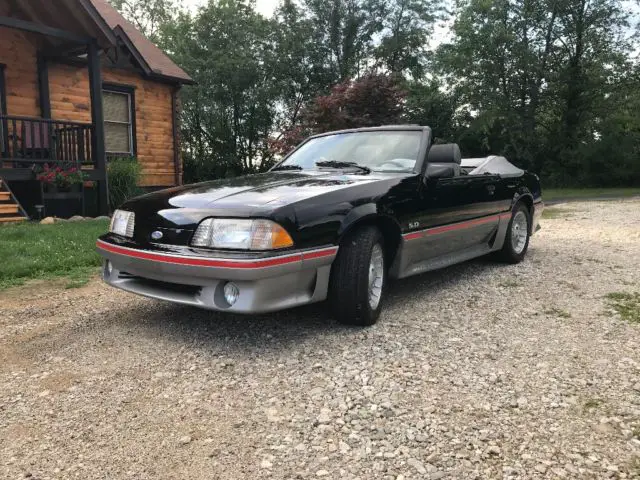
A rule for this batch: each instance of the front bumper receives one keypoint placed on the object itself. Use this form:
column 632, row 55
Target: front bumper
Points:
column 265, row 283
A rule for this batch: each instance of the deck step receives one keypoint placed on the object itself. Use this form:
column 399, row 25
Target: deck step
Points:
column 8, row 208
column 12, row 219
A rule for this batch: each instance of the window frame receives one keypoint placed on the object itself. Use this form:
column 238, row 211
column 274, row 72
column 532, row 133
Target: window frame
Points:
column 130, row 91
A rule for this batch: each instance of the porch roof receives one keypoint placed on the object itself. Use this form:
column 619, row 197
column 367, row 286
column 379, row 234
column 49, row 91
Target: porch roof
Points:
column 153, row 61
column 64, row 24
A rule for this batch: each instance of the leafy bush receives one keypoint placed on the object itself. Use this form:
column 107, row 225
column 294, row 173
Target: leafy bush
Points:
column 123, row 178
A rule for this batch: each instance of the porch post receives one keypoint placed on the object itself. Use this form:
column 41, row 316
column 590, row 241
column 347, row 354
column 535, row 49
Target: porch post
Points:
column 43, row 86
column 97, row 118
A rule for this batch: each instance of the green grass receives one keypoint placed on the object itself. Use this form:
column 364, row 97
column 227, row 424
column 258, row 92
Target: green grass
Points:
column 32, row 251
column 592, row 403
column 562, row 193
column 552, row 213
column 557, row 312
column 626, row 304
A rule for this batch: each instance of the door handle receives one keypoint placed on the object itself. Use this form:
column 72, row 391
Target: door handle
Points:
column 491, row 189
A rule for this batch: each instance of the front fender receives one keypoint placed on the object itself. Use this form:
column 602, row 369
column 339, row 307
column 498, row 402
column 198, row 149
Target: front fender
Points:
column 356, row 215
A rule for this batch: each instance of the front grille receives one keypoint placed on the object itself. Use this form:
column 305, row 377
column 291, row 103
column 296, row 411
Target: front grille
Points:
column 169, row 287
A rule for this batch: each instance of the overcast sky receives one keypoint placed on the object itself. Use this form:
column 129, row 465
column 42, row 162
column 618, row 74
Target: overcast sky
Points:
column 265, row 7
column 441, row 33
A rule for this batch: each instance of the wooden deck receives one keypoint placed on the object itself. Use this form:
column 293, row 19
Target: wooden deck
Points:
column 10, row 209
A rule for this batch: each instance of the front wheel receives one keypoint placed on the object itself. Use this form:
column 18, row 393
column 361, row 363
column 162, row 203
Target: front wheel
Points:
column 358, row 278
column 516, row 242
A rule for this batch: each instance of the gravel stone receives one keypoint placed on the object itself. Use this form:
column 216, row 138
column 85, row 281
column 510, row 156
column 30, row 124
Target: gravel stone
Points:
column 482, row 370
column 417, row 465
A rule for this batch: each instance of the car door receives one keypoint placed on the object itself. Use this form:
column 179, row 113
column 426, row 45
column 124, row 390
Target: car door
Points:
column 455, row 214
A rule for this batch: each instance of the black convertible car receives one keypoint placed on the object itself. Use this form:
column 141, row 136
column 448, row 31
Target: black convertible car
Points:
column 337, row 218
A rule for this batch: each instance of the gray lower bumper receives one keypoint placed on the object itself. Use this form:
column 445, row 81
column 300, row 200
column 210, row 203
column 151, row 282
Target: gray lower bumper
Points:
column 264, row 286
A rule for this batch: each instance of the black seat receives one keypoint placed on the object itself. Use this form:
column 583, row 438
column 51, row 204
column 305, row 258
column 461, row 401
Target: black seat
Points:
column 448, row 153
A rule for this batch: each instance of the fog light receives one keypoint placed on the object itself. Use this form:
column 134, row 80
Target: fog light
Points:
column 231, row 293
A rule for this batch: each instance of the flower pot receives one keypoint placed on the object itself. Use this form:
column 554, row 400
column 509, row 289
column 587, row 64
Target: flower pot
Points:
column 52, row 188
column 62, row 202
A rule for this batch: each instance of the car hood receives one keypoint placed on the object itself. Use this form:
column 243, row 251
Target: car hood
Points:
column 253, row 195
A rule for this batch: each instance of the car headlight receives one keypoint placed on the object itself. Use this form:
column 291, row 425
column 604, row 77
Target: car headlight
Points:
column 123, row 223
column 241, row 234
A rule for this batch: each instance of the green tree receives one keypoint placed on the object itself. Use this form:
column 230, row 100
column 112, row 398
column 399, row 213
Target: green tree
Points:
column 532, row 76
column 228, row 117
column 301, row 68
column 345, row 30
column 406, row 30
column 148, row 16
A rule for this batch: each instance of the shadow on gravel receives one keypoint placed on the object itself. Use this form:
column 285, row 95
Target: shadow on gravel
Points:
column 261, row 334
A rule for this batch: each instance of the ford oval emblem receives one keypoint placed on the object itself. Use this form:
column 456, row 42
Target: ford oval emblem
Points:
column 157, row 235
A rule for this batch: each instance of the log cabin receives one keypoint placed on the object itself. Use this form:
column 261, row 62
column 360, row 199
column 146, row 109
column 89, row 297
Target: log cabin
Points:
column 79, row 86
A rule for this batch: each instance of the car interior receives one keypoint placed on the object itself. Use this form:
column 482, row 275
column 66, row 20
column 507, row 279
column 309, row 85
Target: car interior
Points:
column 445, row 161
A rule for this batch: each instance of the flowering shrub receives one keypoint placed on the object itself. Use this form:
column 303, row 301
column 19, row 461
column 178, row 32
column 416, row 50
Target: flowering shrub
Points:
column 60, row 176
column 372, row 100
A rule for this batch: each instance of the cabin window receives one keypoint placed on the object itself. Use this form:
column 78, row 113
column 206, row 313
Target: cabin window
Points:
column 119, row 121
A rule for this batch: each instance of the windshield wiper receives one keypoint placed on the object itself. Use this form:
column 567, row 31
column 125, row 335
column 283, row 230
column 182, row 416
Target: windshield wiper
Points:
column 287, row 167
column 337, row 164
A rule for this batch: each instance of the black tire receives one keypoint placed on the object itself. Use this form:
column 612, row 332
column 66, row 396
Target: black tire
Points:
column 509, row 252
column 349, row 287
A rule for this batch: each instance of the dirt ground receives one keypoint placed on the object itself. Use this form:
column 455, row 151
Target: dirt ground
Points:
column 478, row 371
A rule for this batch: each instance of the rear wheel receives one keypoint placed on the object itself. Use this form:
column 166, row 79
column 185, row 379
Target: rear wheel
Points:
column 358, row 278
column 516, row 242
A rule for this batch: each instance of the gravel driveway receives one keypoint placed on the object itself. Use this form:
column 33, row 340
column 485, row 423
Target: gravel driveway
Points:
column 477, row 371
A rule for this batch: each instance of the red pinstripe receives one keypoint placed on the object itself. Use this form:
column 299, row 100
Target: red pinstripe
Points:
column 455, row 226
column 210, row 262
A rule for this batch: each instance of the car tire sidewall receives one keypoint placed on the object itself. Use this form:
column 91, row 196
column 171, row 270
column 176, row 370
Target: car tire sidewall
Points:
column 510, row 254
column 374, row 313
column 350, row 283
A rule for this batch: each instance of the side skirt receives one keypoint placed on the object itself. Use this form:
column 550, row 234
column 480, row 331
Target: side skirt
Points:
column 400, row 269
column 447, row 260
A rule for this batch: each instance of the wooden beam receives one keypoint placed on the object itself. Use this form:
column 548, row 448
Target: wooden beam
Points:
column 175, row 119
column 43, row 86
column 97, row 118
column 18, row 24
column 11, row 174
column 3, row 91
column 137, row 56
column 105, row 29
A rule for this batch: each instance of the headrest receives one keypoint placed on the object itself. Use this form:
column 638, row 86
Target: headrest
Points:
column 448, row 153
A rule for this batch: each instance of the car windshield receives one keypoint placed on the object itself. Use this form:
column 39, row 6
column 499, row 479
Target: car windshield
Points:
column 379, row 151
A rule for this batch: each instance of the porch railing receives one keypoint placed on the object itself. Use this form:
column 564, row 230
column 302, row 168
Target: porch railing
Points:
column 25, row 141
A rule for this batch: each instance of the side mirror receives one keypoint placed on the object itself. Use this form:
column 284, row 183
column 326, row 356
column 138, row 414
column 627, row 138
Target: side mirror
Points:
column 441, row 170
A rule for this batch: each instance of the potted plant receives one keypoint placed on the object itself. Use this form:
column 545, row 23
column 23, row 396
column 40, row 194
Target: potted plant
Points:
column 62, row 189
column 61, row 179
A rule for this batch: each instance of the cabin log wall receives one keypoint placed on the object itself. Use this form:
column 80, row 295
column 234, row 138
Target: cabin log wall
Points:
column 69, row 86
column 70, row 100
column 19, row 52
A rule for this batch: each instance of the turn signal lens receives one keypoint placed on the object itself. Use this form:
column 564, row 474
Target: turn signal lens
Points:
column 241, row 234
column 280, row 237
